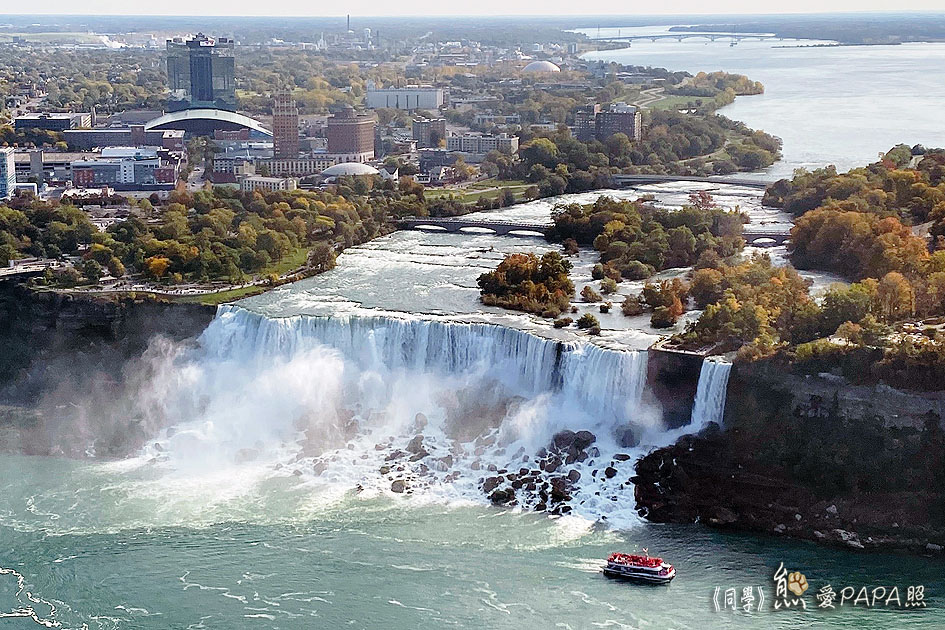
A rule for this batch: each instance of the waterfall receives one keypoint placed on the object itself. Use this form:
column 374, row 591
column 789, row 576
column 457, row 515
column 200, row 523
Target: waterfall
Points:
column 709, row 405
column 391, row 404
column 605, row 382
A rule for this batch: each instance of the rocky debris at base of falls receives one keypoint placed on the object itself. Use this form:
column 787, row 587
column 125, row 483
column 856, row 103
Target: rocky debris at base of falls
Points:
column 544, row 483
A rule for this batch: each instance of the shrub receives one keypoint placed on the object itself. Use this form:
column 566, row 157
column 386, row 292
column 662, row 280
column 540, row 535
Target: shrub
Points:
column 588, row 294
column 606, row 306
column 564, row 321
column 662, row 318
column 631, row 306
column 608, row 286
column 587, row 321
column 597, row 272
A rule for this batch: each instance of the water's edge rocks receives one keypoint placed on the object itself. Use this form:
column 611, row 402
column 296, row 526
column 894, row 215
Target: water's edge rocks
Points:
column 809, row 457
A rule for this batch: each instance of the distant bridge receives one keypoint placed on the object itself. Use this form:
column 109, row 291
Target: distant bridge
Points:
column 684, row 35
column 631, row 180
column 458, row 224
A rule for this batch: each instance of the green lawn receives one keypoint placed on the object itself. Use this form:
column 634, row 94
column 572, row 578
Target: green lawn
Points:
column 212, row 299
column 293, row 260
column 489, row 189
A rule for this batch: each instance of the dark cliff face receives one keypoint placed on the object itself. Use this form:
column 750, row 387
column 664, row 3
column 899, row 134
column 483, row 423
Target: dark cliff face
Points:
column 672, row 379
column 809, row 457
column 65, row 357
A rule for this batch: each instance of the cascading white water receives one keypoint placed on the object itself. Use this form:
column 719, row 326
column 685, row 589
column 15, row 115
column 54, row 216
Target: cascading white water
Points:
column 607, row 382
column 709, row 405
column 338, row 401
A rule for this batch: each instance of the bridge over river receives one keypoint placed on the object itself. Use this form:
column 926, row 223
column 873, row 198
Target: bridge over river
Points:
column 681, row 35
column 634, row 180
column 758, row 237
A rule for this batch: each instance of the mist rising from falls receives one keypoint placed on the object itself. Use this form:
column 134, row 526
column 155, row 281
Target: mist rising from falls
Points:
column 606, row 382
column 366, row 403
column 709, row 405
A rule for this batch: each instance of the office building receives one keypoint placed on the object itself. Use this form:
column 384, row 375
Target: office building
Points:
column 43, row 166
column 7, row 173
column 201, row 73
column 126, row 168
column 53, row 121
column 428, row 132
column 350, row 132
column 585, row 122
column 593, row 122
column 285, row 127
column 249, row 183
column 135, row 135
column 410, row 97
column 620, row 118
column 479, row 144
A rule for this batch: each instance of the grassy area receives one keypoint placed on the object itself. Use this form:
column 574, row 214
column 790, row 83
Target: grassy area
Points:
column 674, row 102
column 489, row 188
column 213, row 299
column 291, row 261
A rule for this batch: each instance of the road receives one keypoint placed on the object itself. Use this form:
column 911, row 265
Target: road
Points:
column 648, row 97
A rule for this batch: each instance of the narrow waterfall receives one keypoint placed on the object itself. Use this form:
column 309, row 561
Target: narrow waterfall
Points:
column 709, row 405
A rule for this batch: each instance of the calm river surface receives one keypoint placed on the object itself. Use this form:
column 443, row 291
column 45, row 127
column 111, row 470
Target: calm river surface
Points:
column 831, row 105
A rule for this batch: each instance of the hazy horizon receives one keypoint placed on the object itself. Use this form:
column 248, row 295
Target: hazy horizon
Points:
column 486, row 8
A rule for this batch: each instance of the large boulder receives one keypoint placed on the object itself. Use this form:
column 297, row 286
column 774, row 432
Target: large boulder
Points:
column 563, row 439
column 583, row 439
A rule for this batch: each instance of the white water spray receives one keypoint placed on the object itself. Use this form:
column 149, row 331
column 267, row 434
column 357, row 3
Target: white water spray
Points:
column 709, row 405
column 337, row 402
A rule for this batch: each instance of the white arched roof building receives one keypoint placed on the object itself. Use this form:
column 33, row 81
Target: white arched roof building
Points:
column 349, row 168
column 538, row 67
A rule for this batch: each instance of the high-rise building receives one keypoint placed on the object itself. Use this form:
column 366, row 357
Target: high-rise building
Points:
column 585, row 122
column 7, row 173
column 593, row 122
column 201, row 73
column 350, row 132
column 285, row 127
column 429, row 131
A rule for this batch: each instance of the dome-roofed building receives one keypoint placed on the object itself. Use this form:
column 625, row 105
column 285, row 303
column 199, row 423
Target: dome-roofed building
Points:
column 205, row 121
column 539, row 67
column 349, row 168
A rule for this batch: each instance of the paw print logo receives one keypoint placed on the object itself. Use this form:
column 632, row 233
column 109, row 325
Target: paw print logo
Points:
column 797, row 583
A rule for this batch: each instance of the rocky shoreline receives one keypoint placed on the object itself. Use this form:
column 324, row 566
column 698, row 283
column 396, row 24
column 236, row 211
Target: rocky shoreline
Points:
column 809, row 457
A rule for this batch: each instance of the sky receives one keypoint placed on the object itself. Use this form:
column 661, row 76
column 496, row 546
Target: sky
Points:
column 475, row 7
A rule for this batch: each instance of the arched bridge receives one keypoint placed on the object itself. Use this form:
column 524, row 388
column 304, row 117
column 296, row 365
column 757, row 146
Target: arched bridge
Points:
column 765, row 238
column 458, row 224
column 631, row 180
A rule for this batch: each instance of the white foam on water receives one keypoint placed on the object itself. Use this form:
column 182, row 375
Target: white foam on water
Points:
column 710, row 395
column 325, row 401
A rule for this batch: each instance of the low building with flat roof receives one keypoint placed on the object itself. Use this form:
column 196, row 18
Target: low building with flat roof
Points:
column 52, row 121
column 249, row 183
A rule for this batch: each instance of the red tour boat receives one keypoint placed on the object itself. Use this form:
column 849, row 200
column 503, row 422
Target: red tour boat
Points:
column 641, row 568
